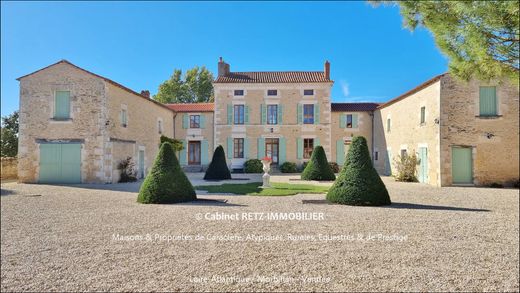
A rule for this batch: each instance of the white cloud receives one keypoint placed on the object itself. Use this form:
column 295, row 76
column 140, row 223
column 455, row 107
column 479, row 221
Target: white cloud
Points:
column 344, row 88
column 367, row 99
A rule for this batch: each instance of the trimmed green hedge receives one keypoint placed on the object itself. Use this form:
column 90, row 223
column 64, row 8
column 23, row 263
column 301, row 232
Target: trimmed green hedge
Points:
column 318, row 168
column 176, row 144
column 218, row 169
column 166, row 182
column 288, row 167
column 358, row 183
column 253, row 166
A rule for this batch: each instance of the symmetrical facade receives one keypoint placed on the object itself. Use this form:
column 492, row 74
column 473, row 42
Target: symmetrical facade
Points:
column 76, row 126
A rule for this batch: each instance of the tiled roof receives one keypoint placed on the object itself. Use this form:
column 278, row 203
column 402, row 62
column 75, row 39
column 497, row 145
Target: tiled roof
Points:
column 195, row 107
column 273, row 77
column 353, row 107
column 102, row 77
column 414, row 90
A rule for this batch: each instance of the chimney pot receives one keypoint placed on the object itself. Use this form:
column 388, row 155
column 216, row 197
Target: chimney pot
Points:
column 145, row 93
column 327, row 70
column 223, row 67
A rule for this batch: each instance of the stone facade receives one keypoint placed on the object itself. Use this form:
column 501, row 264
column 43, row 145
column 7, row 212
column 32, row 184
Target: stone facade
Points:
column 95, row 104
column 342, row 135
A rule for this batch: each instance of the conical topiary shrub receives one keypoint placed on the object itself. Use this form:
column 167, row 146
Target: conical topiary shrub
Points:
column 218, row 169
column 318, row 167
column 166, row 182
column 358, row 182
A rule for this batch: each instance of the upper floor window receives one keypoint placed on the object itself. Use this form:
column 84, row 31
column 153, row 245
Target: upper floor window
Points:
column 308, row 92
column 272, row 114
column 423, row 115
column 488, row 101
column 238, row 92
column 308, row 114
column 388, row 124
column 194, row 121
column 308, row 146
column 238, row 114
column 124, row 117
column 272, row 92
column 238, row 148
column 349, row 121
column 62, row 105
column 159, row 126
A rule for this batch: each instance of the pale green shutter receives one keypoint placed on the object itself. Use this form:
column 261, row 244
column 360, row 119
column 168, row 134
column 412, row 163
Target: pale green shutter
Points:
column 342, row 120
column 204, row 152
column 300, row 113
column 183, row 152
column 281, row 155
column 229, row 114
column 263, row 114
column 62, row 105
column 202, row 121
column 316, row 114
column 354, row 120
column 423, row 114
column 316, row 142
column 229, row 148
column 488, row 101
column 280, row 114
column 299, row 148
column 185, row 121
column 261, row 148
column 246, row 114
column 388, row 123
column 246, row 148
column 340, row 152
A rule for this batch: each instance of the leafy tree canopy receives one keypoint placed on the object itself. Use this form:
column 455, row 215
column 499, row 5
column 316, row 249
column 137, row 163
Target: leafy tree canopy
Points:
column 481, row 38
column 194, row 87
column 9, row 135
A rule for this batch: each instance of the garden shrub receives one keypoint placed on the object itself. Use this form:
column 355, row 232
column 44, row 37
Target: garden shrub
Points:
column 176, row 144
column 334, row 166
column 128, row 171
column 218, row 169
column 496, row 185
column 166, row 182
column 318, row 168
column 303, row 165
column 253, row 166
column 288, row 167
column 358, row 182
column 406, row 168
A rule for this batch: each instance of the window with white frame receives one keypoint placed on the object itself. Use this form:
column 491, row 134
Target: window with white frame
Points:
column 194, row 121
column 272, row 114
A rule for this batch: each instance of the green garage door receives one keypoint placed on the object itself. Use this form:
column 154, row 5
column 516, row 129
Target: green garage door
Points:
column 461, row 165
column 60, row 163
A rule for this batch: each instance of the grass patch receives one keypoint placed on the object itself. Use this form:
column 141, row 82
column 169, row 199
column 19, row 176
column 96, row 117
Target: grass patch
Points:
column 278, row 189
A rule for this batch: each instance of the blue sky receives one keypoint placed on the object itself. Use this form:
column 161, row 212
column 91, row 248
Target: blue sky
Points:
column 138, row 44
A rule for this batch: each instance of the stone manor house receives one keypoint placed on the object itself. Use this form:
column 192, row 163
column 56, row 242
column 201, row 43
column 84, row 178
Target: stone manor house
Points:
column 76, row 126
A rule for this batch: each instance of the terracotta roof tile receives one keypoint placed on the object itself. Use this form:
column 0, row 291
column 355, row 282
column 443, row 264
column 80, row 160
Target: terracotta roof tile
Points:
column 273, row 77
column 195, row 107
column 353, row 107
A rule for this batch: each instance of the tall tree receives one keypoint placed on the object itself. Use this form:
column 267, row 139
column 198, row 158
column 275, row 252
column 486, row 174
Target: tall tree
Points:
column 481, row 38
column 194, row 87
column 9, row 135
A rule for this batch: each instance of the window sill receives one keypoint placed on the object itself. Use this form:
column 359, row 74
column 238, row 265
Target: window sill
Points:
column 488, row 117
column 61, row 119
column 422, row 124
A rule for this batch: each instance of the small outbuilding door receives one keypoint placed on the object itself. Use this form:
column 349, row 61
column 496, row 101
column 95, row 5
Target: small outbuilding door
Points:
column 60, row 163
column 462, row 165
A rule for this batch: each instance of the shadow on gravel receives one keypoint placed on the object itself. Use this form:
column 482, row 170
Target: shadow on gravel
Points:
column 210, row 202
column 4, row 192
column 405, row 206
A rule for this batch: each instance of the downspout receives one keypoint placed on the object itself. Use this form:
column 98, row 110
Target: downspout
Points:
column 372, row 138
column 174, row 116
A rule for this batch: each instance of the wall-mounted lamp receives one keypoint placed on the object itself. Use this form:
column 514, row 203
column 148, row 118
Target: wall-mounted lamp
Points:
column 107, row 122
column 436, row 121
column 489, row 135
column 271, row 130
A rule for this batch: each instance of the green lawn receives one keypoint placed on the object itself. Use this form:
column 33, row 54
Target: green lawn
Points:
column 277, row 189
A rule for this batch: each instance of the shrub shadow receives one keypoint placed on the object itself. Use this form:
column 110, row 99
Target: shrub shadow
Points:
column 210, row 202
column 5, row 192
column 405, row 206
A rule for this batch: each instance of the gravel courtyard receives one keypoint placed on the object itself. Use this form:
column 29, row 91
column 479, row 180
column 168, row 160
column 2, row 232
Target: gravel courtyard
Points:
column 95, row 238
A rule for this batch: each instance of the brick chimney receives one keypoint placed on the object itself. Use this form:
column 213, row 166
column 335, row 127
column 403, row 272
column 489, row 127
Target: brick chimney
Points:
column 326, row 70
column 223, row 67
column 145, row 93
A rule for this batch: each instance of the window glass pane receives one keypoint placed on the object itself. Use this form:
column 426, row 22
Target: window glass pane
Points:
column 239, row 92
column 308, row 114
column 308, row 146
column 239, row 114
column 272, row 92
column 194, row 121
column 349, row 121
column 272, row 114
column 308, row 92
column 238, row 148
column 423, row 112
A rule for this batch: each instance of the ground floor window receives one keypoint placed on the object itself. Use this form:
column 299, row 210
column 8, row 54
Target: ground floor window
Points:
column 238, row 148
column 308, row 146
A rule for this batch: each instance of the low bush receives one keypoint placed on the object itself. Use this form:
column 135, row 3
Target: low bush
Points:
column 302, row 166
column 334, row 166
column 128, row 170
column 218, row 169
column 288, row 167
column 253, row 166
column 495, row 185
column 406, row 168
column 318, row 168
